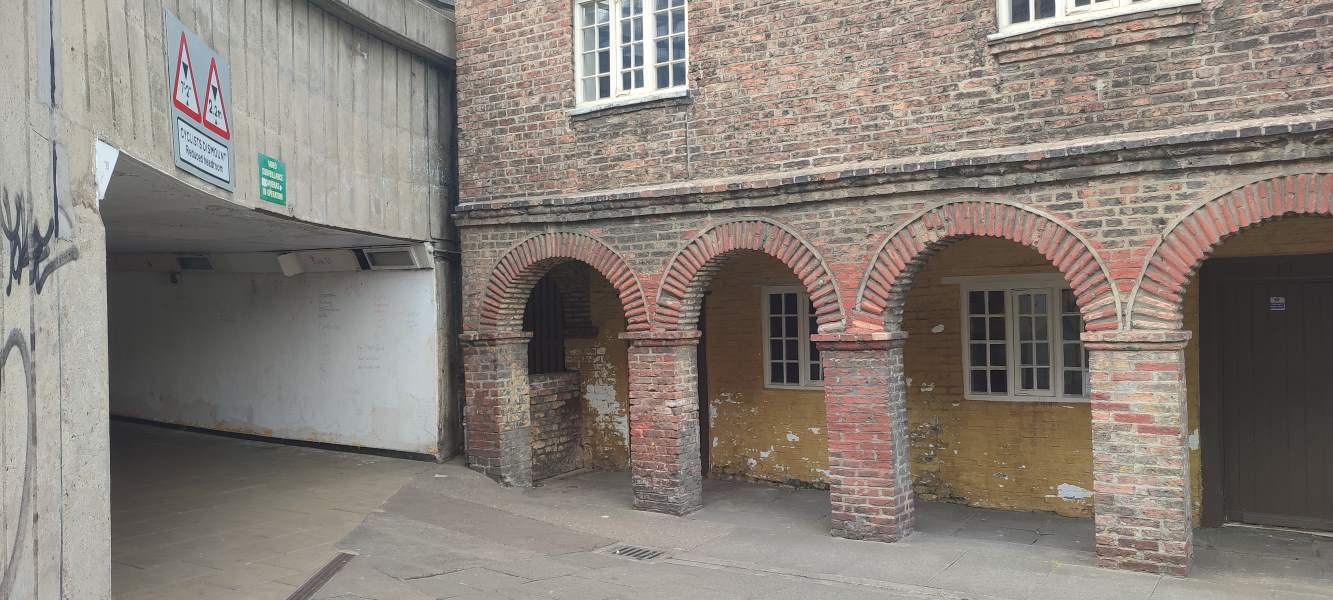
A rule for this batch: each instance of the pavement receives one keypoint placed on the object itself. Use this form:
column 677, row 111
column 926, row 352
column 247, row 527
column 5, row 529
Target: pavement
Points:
column 422, row 531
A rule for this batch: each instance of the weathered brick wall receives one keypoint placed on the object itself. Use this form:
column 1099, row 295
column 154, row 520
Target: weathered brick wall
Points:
column 789, row 84
column 603, row 366
column 556, row 410
column 1120, row 207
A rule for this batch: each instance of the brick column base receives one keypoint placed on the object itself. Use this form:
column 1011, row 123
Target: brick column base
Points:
column 496, row 406
column 1140, row 459
column 870, row 476
column 664, row 421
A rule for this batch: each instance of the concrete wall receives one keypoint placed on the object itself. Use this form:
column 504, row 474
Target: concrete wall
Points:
column 345, row 358
column 359, row 122
column 53, row 435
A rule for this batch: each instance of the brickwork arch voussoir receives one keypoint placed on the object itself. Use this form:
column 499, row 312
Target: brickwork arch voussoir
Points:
column 515, row 274
column 687, row 276
column 1156, row 302
column 884, row 286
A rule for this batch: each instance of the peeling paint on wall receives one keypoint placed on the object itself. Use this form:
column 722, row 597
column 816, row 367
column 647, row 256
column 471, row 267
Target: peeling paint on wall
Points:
column 1068, row 491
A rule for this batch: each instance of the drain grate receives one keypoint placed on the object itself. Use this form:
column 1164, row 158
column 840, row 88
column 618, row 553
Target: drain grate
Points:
column 307, row 591
column 635, row 552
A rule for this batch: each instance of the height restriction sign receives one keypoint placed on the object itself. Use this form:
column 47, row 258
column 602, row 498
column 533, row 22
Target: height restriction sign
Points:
column 200, row 123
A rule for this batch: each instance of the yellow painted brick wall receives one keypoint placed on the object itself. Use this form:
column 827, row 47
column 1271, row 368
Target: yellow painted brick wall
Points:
column 603, row 364
column 757, row 432
column 1306, row 235
column 1011, row 455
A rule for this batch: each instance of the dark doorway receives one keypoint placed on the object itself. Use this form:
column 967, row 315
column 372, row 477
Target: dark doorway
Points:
column 544, row 317
column 1266, row 340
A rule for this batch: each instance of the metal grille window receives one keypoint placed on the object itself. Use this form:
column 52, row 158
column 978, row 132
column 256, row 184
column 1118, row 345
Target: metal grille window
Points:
column 1021, row 339
column 790, row 358
column 1017, row 16
column 628, row 48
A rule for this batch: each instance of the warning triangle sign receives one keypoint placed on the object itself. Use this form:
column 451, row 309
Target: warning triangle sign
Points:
column 215, row 109
column 184, row 92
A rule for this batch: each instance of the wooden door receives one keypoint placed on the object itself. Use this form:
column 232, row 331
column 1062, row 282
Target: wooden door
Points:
column 1267, row 390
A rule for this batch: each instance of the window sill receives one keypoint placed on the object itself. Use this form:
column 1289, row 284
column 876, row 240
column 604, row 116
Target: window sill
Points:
column 794, row 388
column 628, row 102
column 1039, row 399
column 1097, row 30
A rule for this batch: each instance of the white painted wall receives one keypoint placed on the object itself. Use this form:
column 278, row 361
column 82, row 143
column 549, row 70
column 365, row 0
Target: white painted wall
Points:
column 345, row 358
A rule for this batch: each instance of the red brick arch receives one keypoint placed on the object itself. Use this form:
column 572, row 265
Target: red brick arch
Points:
column 884, row 287
column 1157, row 297
column 523, row 266
column 691, row 269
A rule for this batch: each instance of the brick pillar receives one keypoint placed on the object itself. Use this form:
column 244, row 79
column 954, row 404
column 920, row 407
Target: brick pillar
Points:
column 870, row 476
column 664, row 421
column 496, row 405
column 1140, row 458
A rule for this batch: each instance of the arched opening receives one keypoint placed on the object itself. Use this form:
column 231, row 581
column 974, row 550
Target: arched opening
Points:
column 577, row 373
column 1261, row 311
column 997, row 389
column 544, row 379
column 762, row 397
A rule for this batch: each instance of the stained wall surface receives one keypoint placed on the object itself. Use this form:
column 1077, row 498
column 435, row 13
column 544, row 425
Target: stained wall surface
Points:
column 343, row 358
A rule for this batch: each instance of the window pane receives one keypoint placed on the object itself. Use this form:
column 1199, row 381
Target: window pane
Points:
column 678, row 73
column 976, row 303
column 1073, row 383
column 1068, row 302
column 996, row 303
column 979, row 381
column 997, row 328
column 1026, row 378
column 977, row 356
column 1025, row 354
column 1045, row 9
column 603, row 61
column 663, row 77
column 775, row 372
column 793, row 373
column 976, row 328
column 816, row 373
column 1072, row 356
column 1018, row 11
column 1043, row 379
column 604, row 87
column 775, row 304
column 1069, row 327
column 1025, row 304
column 791, row 327
column 997, row 355
column 1040, row 328
column 678, row 21
column 775, row 349
column 792, row 350
column 660, row 19
column 999, row 382
column 789, row 304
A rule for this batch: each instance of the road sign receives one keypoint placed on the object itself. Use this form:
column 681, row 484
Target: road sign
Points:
column 272, row 180
column 201, row 123
column 215, row 109
column 185, row 94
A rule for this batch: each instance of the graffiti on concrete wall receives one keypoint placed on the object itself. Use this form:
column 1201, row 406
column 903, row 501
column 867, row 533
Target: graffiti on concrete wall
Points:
column 30, row 250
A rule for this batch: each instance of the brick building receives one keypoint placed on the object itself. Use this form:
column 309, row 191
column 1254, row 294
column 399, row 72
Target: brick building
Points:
column 1057, row 255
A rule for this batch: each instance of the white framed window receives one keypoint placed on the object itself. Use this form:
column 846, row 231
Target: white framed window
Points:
column 1021, row 339
column 626, row 49
column 791, row 360
column 1019, row 16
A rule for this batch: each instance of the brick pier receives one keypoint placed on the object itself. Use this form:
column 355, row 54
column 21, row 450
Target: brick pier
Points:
column 664, row 421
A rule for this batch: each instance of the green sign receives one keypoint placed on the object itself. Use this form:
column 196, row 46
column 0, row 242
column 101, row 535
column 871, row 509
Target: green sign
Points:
column 272, row 180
